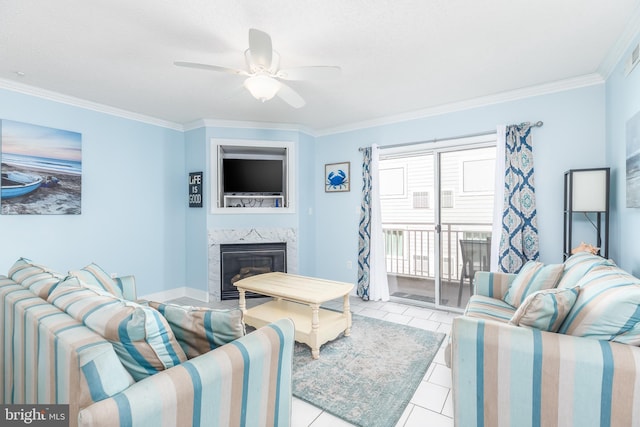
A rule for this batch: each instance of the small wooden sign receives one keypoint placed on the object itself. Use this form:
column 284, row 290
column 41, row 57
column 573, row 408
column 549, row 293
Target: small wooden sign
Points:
column 195, row 189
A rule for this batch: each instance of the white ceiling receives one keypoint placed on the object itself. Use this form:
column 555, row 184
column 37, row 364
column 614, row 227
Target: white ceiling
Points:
column 397, row 57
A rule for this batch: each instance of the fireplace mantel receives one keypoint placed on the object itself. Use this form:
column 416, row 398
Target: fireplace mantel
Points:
column 242, row 260
column 217, row 237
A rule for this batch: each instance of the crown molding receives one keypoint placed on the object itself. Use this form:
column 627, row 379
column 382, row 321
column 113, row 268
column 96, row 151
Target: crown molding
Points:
column 196, row 124
column 106, row 109
column 83, row 103
column 621, row 47
column 484, row 101
column 547, row 88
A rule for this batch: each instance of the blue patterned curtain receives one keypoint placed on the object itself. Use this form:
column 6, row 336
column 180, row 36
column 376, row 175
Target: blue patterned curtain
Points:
column 519, row 239
column 364, row 229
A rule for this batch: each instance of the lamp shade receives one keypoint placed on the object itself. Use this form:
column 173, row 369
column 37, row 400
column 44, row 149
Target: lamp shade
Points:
column 589, row 190
column 262, row 87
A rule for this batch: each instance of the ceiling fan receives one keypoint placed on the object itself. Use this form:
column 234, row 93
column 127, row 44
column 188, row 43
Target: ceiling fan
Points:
column 264, row 77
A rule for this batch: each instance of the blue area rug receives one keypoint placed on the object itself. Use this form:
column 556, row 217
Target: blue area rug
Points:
column 369, row 377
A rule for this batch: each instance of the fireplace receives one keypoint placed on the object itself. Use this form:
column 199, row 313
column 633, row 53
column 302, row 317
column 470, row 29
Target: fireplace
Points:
column 241, row 260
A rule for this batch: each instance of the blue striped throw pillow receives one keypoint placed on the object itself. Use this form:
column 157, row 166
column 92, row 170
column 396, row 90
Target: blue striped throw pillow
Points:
column 201, row 329
column 141, row 337
column 578, row 265
column 39, row 279
column 24, row 268
column 93, row 275
column 534, row 276
column 545, row 310
column 608, row 307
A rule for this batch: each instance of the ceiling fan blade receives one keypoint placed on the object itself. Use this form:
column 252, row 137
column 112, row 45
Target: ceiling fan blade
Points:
column 260, row 48
column 210, row 68
column 309, row 73
column 290, row 96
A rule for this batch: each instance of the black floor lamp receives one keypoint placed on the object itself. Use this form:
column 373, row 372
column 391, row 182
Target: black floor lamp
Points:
column 586, row 192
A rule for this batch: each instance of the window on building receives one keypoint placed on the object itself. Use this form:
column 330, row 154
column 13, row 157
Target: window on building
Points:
column 392, row 182
column 447, row 199
column 478, row 176
column 421, row 200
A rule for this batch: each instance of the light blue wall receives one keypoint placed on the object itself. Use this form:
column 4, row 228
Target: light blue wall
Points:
column 307, row 188
column 133, row 199
column 622, row 103
column 572, row 137
column 135, row 218
column 196, row 236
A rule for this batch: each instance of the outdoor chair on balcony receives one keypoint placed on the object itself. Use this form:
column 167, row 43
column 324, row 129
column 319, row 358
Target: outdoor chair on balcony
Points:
column 476, row 256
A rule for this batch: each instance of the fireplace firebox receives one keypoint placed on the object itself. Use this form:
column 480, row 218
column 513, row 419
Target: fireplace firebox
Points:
column 241, row 260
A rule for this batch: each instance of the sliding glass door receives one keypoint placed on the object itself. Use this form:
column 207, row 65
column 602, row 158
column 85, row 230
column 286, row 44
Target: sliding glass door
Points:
column 437, row 211
column 407, row 195
column 467, row 179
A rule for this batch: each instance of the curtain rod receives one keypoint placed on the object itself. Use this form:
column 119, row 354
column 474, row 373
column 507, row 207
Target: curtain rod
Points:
column 470, row 135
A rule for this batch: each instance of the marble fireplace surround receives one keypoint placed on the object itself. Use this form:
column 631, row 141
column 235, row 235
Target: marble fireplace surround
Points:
column 217, row 237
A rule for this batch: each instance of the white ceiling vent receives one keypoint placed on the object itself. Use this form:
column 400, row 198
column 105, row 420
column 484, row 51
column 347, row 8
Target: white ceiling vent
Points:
column 633, row 60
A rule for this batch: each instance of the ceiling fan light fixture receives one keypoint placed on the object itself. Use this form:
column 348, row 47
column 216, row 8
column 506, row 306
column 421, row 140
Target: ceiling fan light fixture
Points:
column 264, row 74
column 262, row 87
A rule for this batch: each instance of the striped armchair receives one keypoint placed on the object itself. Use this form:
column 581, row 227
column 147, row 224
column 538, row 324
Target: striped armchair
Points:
column 586, row 374
column 49, row 357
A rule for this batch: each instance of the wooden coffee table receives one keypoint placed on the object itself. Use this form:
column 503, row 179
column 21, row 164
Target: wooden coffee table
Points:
column 298, row 298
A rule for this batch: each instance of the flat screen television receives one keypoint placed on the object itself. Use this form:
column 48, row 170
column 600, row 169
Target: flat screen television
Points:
column 253, row 176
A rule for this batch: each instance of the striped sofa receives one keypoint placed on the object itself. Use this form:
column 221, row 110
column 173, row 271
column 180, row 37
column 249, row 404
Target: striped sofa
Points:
column 582, row 371
column 47, row 356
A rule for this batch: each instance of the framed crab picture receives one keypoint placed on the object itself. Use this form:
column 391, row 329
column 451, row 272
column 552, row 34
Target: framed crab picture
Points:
column 337, row 177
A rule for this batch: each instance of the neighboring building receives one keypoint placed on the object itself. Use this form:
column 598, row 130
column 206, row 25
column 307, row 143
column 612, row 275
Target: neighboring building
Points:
column 408, row 195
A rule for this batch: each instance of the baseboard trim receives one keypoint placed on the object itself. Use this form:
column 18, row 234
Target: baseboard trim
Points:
column 174, row 293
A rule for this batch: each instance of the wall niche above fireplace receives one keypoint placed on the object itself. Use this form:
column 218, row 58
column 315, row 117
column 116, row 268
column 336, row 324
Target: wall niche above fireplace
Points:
column 241, row 260
column 252, row 176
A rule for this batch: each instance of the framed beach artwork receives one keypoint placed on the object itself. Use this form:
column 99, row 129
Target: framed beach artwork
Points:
column 41, row 170
column 633, row 162
column 337, row 177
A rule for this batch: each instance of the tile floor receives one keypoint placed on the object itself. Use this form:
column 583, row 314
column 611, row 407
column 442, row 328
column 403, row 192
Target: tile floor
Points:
column 431, row 404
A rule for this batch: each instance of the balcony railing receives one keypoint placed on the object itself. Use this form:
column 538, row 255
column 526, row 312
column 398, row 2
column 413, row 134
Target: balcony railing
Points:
column 410, row 247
